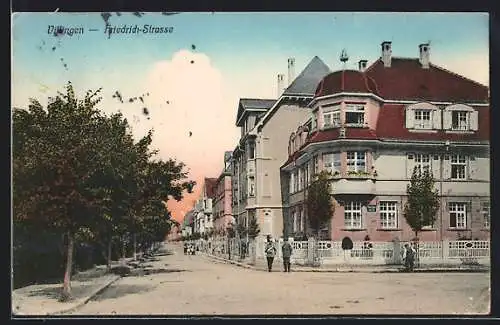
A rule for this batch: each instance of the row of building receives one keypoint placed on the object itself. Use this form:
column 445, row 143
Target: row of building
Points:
column 369, row 128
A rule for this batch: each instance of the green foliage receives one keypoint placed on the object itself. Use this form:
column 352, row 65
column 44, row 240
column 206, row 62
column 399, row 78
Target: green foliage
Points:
column 319, row 204
column 80, row 172
column 423, row 200
column 253, row 227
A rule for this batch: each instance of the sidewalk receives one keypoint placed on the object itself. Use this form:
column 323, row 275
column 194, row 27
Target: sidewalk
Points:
column 42, row 299
column 261, row 265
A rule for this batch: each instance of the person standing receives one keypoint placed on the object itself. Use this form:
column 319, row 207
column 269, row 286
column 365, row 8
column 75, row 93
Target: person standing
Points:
column 409, row 257
column 270, row 251
column 287, row 253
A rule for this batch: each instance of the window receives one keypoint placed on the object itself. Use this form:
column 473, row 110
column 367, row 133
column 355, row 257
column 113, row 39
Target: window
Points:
column 299, row 219
column 331, row 119
column 458, row 167
column 307, row 171
column 331, row 162
column 388, row 215
column 355, row 114
column 294, row 220
column 422, row 161
column 423, row 119
column 458, row 215
column 352, row 215
column 356, row 161
column 315, row 165
column 459, row 120
column 251, row 186
column 300, row 179
column 292, row 182
column 485, row 211
column 296, row 178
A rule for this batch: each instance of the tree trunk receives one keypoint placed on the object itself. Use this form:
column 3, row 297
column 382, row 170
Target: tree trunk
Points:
column 124, row 249
column 66, row 295
column 109, row 254
column 135, row 247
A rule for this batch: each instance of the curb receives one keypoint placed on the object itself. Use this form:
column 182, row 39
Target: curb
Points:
column 395, row 270
column 85, row 300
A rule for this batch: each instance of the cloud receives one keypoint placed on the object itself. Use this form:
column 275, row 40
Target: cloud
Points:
column 192, row 113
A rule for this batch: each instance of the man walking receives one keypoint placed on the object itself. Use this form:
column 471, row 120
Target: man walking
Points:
column 287, row 253
column 270, row 251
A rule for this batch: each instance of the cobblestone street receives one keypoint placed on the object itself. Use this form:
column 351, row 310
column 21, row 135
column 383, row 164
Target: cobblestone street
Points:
column 184, row 285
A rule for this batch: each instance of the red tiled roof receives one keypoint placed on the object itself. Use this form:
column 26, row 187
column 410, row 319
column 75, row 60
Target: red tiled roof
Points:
column 346, row 81
column 405, row 79
column 210, row 187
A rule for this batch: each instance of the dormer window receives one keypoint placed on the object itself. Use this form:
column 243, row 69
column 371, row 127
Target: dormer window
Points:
column 423, row 119
column 355, row 114
column 423, row 116
column 460, row 118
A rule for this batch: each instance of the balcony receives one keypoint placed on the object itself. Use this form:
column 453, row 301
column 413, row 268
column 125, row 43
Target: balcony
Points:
column 353, row 185
column 354, row 175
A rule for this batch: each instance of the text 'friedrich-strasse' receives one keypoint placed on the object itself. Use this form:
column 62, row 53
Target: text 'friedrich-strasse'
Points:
column 137, row 29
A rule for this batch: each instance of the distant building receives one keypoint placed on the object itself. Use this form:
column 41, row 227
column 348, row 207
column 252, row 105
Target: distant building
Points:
column 203, row 208
column 370, row 128
column 265, row 125
column 222, row 197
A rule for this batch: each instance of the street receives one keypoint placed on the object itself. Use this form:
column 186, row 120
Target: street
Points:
column 188, row 285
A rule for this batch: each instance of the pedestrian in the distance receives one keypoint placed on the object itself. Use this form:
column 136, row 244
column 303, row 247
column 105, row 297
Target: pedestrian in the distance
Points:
column 287, row 253
column 270, row 251
column 409, row 257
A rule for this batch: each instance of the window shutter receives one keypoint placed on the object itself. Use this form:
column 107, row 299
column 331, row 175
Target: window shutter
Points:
column 447, row 120
column 410, row 164
column 473, row 120
column 436, row 119
column 468, row 214
column 472, row 167
column 436, row 167
column 446, row 169
column 410, row 118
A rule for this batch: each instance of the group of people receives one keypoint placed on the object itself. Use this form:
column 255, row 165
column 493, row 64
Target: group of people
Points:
column 271, row 251
column 408, row 253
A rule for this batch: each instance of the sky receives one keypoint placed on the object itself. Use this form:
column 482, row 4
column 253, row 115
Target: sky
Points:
column 193, row 76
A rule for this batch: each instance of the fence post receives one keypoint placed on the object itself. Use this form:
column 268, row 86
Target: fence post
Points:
column 445, row 250
column 310, row 250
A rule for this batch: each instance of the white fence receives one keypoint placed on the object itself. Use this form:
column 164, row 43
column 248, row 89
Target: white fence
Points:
column 362, row 253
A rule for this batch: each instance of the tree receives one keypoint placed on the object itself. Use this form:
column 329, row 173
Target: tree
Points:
column 253, row 227
column 56, row 153
column 423, row 200
column 319, row 204
column 79, row 172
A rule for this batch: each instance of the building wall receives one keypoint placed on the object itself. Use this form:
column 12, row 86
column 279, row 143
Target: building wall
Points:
column 271, row 145
column 393, row 174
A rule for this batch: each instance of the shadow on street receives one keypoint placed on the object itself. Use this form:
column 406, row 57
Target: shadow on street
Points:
column 120, row 290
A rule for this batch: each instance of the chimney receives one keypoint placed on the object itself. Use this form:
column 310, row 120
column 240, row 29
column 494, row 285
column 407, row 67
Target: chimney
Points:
column 386, row 53
column 424, row 50
column 291, row 70
column 281, row 84
column 362, row 65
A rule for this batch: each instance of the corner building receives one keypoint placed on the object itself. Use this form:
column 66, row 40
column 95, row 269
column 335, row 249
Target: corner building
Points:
column 370, row 128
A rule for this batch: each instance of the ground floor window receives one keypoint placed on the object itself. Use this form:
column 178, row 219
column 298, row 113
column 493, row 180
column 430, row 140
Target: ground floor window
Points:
column 388, row 215
column 458, row 215
column 485, row 211
column 352, row 215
